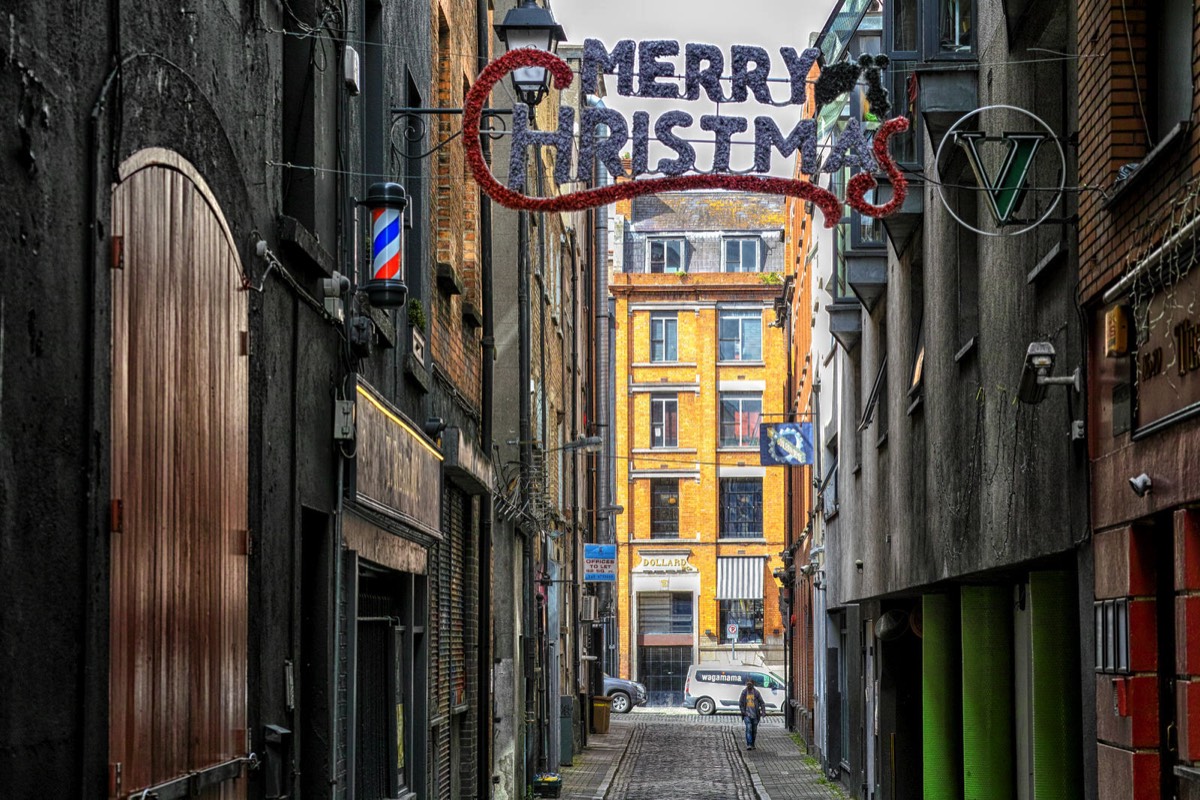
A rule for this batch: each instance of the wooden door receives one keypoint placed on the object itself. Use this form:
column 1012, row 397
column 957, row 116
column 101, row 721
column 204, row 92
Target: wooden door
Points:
column 177, row 696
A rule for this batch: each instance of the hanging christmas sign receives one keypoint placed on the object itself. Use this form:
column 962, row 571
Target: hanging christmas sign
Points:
column 860, row 150
column 1003, row 164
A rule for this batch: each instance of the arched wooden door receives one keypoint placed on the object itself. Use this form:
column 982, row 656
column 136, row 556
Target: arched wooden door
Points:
column 177, row 688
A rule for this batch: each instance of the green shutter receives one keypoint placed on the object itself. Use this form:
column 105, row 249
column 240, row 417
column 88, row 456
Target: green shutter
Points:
column 1057, row 771
column 940, row 698
column 987, row 685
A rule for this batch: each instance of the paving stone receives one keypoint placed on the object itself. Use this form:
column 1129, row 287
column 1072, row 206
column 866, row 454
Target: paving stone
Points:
column 662, row 754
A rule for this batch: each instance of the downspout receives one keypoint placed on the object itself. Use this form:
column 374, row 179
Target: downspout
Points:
column 543, row 540
column 604, row 459
column 526, row 456
column 483, row 748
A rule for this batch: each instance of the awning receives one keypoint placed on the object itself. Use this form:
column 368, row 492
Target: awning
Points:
column 740, row 578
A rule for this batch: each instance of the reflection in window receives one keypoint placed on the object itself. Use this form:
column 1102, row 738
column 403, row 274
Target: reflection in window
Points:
column 747, row 615
column 664, row 335
column 954, row 25
column 740, row 336
column 740, row 415
column 904, row 25
column 666, row 255
column 664, row 421
column 741, row 255
column 741, row 508
column 664, row 508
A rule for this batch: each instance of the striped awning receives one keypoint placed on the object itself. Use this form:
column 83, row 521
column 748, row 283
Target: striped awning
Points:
column 740, row 578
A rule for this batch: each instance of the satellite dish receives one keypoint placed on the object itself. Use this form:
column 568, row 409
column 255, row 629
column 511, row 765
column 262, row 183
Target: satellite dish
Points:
column 892, row 625
column 914, row 620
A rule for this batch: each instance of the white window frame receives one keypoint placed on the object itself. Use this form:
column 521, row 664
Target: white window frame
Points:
column 662, row 319
column 660, row 403
column 744, row 316
column 663, row 240
column 742, row 242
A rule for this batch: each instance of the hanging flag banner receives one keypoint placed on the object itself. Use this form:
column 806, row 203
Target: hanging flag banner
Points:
column 785, row 444
column 579, row 150
column 600, row 563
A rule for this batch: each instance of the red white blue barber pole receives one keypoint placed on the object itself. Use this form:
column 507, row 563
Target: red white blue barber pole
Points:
column 386, row 203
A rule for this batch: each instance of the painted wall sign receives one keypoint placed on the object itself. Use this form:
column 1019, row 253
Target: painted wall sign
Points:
column 600, row 563
column 749, row 70
column 1167, row 363
column 1003, row 162
column 663, row 561
column 787, row 444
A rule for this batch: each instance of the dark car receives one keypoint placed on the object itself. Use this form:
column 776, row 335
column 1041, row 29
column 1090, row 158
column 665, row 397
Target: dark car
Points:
column 624, row 694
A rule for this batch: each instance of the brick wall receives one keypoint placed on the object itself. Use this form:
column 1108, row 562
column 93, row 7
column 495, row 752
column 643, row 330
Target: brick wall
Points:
column 699, row 520
column 454, row 199
column 1113, row 236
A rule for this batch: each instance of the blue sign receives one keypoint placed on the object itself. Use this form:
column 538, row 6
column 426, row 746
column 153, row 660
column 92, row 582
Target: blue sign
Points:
column 600, row 563
column 785, row 444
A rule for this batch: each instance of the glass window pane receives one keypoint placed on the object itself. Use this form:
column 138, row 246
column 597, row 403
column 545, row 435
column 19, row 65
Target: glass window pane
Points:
column 674, row 255
column 732, row 255
column 904, row 24
column 670, row 335
column 749, row 255
column 954, row 29
column 752, row 340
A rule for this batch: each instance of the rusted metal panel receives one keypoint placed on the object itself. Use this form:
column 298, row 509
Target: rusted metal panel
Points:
column 179, row 472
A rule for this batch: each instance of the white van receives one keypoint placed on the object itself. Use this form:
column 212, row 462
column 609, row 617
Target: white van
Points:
column 715, row 687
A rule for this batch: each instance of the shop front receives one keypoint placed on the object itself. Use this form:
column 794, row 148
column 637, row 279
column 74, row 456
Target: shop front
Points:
column 665, row 589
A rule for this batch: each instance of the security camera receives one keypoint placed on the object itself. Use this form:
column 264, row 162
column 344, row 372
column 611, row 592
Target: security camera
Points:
column 858, row 565
column 1035, row 374
column 1141, row 485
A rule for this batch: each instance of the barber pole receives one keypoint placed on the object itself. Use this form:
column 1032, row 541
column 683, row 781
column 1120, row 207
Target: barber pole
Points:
column 386, row 202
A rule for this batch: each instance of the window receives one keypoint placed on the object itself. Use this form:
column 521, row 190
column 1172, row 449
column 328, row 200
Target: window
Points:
column 664, row 612
column 664, row 335
column 877, row 404
column 664, row 508
column 1112, row 635
column 666, row 255
column 954, row 26
column 664, row 421
column 740, row 414
column 740, row 336
column 1171, row 81
column 741, row 508
column 747, row 615
column 904, row 25
column 741, row 255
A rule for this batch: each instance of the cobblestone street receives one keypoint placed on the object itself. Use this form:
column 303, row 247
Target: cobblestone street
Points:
column 666, row 754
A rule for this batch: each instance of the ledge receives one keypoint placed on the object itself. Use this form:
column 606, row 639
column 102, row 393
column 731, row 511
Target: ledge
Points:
column 471, row 315
column 383, row 325
column 448, row 280
column 417, row 372
column 300, row 243
column 1175, row 136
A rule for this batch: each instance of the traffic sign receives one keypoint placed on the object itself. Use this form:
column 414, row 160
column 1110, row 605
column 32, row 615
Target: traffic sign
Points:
column 731, row 631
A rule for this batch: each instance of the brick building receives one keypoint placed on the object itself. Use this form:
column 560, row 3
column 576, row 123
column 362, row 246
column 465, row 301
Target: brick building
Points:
column 699, row 361
column 1139, row 151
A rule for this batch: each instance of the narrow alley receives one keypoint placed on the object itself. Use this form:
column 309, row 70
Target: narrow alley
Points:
column 654, row 754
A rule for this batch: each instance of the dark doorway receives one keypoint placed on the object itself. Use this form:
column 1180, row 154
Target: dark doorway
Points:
column 664, row 670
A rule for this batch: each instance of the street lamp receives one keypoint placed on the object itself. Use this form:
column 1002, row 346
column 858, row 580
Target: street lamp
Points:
column 530, row 25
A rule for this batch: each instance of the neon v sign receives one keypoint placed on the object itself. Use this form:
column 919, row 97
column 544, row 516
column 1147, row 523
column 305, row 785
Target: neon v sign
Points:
column 511, row 196
column 1005, row 193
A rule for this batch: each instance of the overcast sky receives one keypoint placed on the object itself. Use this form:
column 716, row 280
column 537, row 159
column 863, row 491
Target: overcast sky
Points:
column 770, row 24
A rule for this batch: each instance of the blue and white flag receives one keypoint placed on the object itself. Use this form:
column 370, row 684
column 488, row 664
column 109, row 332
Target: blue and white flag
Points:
column 785, row 444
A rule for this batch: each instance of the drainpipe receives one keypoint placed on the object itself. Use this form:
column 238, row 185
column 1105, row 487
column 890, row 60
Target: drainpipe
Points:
column 483, row 748
column 526, row 456
column 604, row 459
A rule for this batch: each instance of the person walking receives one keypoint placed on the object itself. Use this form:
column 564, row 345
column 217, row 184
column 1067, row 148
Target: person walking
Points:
column 751, row 704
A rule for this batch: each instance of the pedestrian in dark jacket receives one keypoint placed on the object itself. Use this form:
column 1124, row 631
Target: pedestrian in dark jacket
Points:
column 751, row 703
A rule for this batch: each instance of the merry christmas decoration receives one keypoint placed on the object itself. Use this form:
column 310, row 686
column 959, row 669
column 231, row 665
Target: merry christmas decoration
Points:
column 853, row 148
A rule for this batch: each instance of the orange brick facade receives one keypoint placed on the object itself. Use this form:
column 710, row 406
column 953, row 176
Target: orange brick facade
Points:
column 695, row 378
